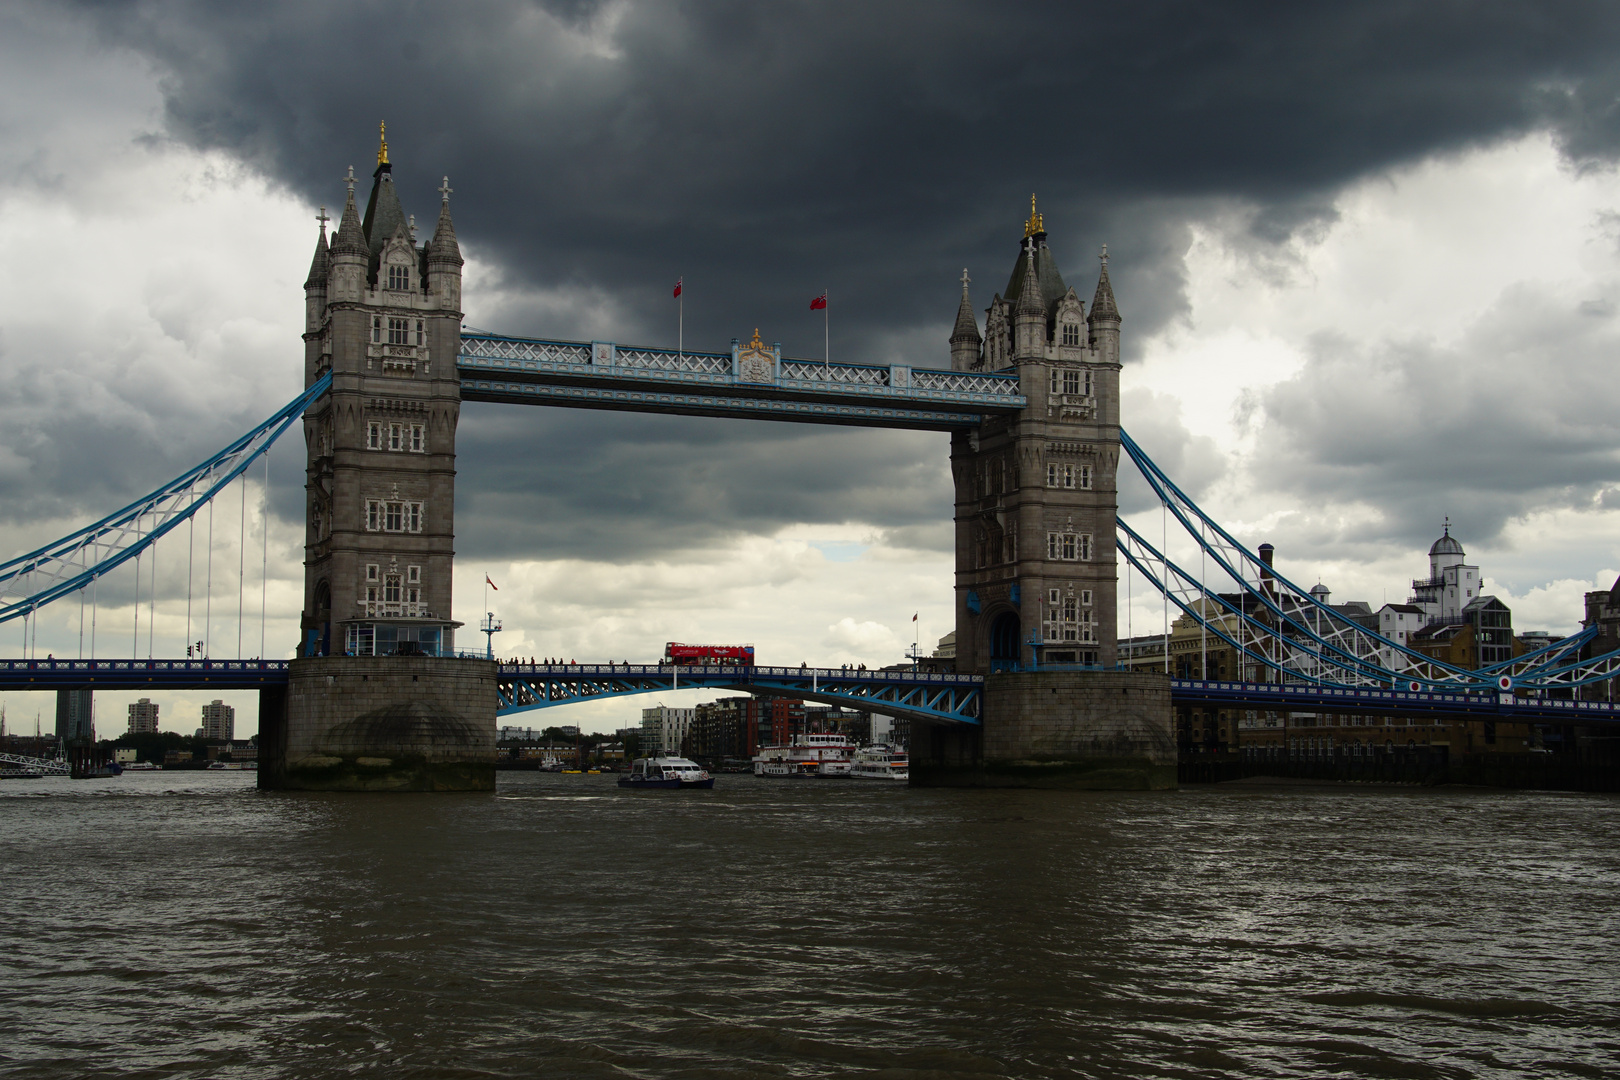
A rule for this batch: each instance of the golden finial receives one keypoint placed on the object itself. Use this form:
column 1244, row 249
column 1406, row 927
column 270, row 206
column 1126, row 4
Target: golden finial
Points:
column 382, row 137
column 1034, row 224
column 756, row 343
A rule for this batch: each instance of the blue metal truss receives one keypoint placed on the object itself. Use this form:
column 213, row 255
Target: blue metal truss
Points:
column 1284, row 628
column 933, row 697
column 142, row 674
column 604, row 375
column 1361, row 700
column 65, row 566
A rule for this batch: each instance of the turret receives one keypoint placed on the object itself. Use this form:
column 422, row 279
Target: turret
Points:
column 965, row 339
column 348, row 254
column 315, row 284
column 444, row 259
column 1029, row 315
column 1105, row 319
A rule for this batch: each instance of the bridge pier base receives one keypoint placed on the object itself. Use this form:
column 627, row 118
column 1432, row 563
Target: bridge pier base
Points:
column 1081, row 730
column 383, row 723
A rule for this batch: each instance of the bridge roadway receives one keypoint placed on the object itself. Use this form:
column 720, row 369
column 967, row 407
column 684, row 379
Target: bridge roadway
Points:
column 748, row 383
column 937, row 697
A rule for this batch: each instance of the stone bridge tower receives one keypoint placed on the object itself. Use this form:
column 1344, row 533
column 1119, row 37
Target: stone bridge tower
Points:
column 376, row 699
column 383, row 315
column 1036, row 571
column 1035, row 494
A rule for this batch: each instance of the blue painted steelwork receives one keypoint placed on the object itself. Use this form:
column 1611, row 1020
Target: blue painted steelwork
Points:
column 935, row 697
column 604, row 375
column 1298, row 697
column 1303, row 639
column 67, row 565
column 141, row 674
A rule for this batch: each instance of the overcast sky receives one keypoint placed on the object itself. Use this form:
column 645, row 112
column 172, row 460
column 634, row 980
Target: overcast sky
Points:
column 1367, row 256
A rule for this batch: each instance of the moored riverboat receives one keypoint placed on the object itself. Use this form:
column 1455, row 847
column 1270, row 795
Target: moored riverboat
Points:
column 880, row 762
column 818, row 755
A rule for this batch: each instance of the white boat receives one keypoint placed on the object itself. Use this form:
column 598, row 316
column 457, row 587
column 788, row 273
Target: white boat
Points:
column 823, row 756
column 880, row 762
column 143, row 766
column 234, row 766
column 667, row 773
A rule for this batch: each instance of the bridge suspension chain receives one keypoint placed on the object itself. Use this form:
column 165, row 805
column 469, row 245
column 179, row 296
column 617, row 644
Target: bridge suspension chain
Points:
column 80, row 559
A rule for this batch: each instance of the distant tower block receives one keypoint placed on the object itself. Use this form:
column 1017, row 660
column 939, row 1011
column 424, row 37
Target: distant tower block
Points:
column 375, row 699
column 1035, row 494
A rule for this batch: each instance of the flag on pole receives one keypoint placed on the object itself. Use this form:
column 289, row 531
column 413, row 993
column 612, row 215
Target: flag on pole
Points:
column 678, row 282
column 819, row 303
column 914, row 617
column 491, row 584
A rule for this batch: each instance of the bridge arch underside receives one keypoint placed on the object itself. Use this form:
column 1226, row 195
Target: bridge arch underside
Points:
column 930, row 698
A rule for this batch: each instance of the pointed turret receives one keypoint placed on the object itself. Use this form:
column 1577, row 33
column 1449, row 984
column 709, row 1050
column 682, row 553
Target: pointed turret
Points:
column 348, row 254
column 315, row 284
column 1105, row 317
column 1029, row 314
column 319, row 265
column 965, row 339
column 443, row 256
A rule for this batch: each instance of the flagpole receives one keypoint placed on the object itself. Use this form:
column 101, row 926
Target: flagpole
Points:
column 680, row 309
column 826, row 337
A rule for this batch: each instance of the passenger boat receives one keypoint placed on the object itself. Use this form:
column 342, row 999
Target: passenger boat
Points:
column 666, row 774
column 880, row 762
column 142, row 766
column 817, row 755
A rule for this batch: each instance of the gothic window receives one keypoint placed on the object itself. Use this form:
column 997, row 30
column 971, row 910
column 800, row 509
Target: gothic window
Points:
column 1053, row 597
column 1071, row 382
column 395, row 436
column 413, row 596
column 1070, row 611
column 391, row 589
column 1071, row 334
column 1084, row 476
column 371, row 571
column 1068, row 546
column 376, row 329
column 413, row 515
column 1087, row 383
column 399, row 278
column 413, row 574
column 371, row 594
column 1085, row 597
column 399, row 331
column 373, row 436
column 1061, row 476
column 419, row 331
column 418, row 439
column 395, row 519
column 373, row 515
column 1084, row 546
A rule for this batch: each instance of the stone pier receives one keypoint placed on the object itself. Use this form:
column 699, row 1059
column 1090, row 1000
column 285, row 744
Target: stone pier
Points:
column 1083, row 730
column 376, row 723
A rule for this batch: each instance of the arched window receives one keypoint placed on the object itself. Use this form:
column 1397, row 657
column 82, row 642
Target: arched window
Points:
column 399, row 278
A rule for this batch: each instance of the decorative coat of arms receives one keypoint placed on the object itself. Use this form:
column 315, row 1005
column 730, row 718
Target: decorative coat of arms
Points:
column 755, row 362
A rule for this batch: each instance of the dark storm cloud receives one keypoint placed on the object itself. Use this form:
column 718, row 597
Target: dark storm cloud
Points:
column 768, row 151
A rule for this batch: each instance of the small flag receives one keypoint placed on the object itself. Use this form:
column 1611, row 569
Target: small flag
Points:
column 819, row 303
column 678, row 282
column 491, row 584
column 914, row 617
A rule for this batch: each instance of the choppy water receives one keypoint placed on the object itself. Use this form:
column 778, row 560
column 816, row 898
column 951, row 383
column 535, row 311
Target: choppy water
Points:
column 187, row 925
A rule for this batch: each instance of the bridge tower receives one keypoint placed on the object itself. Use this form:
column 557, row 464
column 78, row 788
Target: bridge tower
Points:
column 1035, row 494
column 374, row 674
column 1036, row 569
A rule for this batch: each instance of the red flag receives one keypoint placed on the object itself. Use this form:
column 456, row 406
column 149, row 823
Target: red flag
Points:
column 914, row 618
column 678, row 282
column 491, row 584
column 819, row 302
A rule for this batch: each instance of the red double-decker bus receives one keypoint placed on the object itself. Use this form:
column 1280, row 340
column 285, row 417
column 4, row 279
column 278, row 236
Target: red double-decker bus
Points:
column 709, row 655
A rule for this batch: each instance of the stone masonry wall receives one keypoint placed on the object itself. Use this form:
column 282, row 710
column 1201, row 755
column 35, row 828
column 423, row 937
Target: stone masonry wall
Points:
column 388, row 724
column 1070, row 729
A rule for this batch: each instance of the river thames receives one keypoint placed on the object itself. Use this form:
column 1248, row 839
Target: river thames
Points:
column 186, row 925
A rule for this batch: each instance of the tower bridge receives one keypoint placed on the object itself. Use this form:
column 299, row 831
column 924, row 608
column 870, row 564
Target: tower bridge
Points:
column 377, row 696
